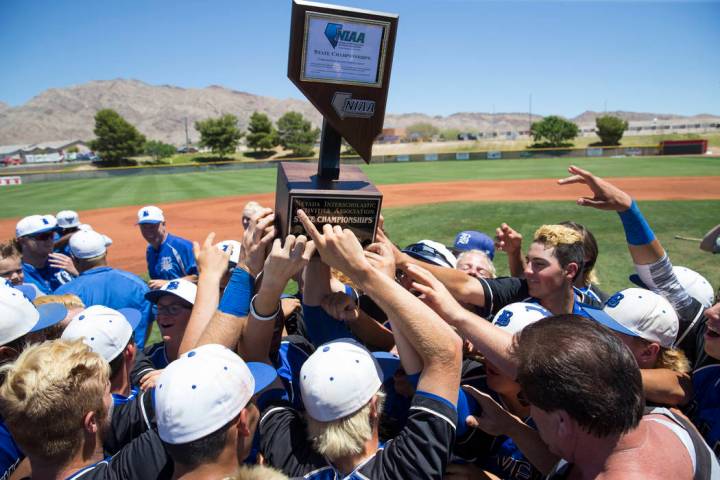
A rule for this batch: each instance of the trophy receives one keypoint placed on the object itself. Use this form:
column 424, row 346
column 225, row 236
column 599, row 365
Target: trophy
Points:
column 340, row 58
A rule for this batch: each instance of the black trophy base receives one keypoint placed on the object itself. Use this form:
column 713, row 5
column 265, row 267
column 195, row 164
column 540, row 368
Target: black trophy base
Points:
column 351, row 201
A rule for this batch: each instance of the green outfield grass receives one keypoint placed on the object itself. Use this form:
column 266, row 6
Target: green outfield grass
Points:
column 16, row 201
column 687, row 218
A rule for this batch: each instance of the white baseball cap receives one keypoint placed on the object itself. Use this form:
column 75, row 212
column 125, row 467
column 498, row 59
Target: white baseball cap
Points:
column 639, row 313
column 68, row 219
column 233, row 247
column 105, row 330
column 433, row 252
column 179, row 287
column 341, row 377
column 203, row 390
column 34, row 224
column 88, row 244
column 516, row 316
column 695, row 285
column 150, row 214
column 18, row 316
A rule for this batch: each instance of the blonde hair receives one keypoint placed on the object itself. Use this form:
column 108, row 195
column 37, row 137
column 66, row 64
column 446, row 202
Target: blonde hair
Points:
column 554, row 235
column 67, row 299
column 258, row 472
column 46, row 394
column 347, row 435
column 672, row 359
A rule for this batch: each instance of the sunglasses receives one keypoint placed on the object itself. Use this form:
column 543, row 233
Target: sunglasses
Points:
column 426, row 251
column 42, row 236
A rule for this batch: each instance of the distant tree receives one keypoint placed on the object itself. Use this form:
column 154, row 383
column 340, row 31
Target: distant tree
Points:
column 422, row 131
column 262, row 135
column 450, row 134
column 553, row 131
column 296, row 134
column 221, row 135
column 116, row 138
column 610, row 129
column 348, row 149
column 159, row 150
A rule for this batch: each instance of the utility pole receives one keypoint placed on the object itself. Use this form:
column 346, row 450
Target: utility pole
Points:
column 530, row 115
column 187, row 137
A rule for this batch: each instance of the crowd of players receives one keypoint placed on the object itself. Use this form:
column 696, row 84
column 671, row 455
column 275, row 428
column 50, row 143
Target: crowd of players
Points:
column 384, row 363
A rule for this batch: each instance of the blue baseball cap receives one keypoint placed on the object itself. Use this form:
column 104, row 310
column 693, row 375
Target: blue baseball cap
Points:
column 474, row 240
column 50, row 314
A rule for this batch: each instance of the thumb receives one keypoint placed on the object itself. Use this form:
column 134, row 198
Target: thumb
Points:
column 472, row 421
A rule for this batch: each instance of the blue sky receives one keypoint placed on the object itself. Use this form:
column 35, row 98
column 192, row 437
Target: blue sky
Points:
column 450, row 56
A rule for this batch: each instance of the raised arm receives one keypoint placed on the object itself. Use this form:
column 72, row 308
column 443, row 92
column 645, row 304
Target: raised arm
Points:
column 382, row 259
column 284, row 261
column 491, row 341
column 510, row 242
column 651, row 261
column 227, row 323
column 436, row 343
column 212, row 264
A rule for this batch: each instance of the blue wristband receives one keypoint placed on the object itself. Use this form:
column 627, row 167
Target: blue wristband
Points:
column 637, row 230
column 238, row 293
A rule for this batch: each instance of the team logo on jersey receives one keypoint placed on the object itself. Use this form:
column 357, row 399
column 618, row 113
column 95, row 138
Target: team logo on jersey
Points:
column 166, row 264
column 613, row 301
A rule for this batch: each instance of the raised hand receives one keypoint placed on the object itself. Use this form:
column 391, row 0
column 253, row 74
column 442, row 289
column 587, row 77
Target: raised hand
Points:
column 59, row 260
column 507, row 239
column 341, row 307
column 285, row 260
column 434, row 294
column 381, row 257
column 338, row 248
column 381, row 237
column 211, row 260
column 256, row 241
column 606, row 196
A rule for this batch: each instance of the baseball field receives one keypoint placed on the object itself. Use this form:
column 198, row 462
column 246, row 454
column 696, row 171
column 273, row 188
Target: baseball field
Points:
column 679, row 196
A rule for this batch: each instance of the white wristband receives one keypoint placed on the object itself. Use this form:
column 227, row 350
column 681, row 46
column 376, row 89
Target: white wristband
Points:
column 260, row 318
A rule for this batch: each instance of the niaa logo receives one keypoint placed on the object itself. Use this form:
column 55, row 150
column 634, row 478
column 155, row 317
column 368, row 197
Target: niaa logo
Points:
column 335, row 33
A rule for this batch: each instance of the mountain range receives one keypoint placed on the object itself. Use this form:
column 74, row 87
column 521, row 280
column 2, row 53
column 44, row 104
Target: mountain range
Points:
column 162, row 111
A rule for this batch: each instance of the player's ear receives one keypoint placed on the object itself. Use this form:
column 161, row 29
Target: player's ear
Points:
column 243, row 423
column 572, row 270
column 563, row 424
column 90, row 423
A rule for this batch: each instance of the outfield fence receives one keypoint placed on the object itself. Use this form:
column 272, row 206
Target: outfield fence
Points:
column 490, row 155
